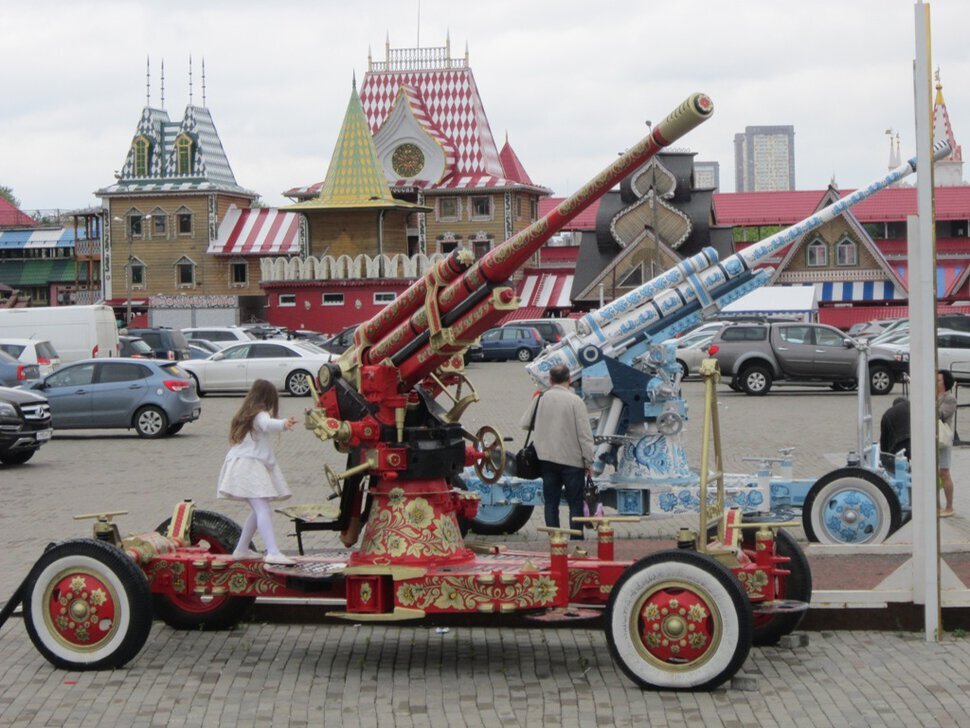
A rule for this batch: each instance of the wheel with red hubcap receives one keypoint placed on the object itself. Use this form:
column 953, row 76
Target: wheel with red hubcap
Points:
column 679, row 620
column 87, row 606
column 195, row 611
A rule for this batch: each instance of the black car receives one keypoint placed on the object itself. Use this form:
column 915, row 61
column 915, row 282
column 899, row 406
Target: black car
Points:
column 135, row 347
column 339, row 343
column 168, row 344
column 25, row 425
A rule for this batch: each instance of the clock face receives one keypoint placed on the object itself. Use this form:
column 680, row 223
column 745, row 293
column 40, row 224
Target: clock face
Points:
column 407, row 160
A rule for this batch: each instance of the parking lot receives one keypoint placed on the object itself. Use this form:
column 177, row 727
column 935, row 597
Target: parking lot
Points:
column 263, row 674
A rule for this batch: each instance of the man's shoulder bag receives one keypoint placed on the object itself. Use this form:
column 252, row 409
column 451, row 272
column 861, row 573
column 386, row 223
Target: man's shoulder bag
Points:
column 526, row 459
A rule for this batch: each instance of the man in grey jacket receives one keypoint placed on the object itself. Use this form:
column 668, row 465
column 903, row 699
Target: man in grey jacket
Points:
column 564, row 443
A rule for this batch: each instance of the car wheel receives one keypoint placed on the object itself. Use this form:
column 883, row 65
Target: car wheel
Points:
column 523, row 355
column 298, row 383
column 175, row 429
column 684, row 370
column 198, row 386
column 881, row 379
column 16, row 458
column 151, row 421
column 755, row 380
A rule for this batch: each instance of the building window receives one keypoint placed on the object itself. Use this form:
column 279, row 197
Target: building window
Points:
column 183, row 221
column 448, row 209
column 184, row 151
column 159, row 223
column 185, row 273
column 448, row 246
column 287, row 300
column 333, row 299
column 817, row 254
column 482, row 247
column 481, row 208
column 135, row 224
column 846, row 253
column 534, row 211
column 238, row 273
column 384, row 297
column 518, row 207
column 137, row 273
column 141, row 157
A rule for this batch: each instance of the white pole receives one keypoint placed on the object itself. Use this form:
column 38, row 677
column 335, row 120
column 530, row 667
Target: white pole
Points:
column 922, row 346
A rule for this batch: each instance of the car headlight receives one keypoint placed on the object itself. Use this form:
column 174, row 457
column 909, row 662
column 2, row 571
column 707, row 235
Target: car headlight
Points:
column 7, row 410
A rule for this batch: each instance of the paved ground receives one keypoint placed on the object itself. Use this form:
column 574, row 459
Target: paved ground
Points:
column 262, row 674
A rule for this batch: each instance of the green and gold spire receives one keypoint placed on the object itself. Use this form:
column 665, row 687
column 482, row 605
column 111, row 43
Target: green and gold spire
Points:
column 355, row 178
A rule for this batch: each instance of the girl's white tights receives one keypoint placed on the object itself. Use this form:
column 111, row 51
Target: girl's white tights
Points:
column 260, row 518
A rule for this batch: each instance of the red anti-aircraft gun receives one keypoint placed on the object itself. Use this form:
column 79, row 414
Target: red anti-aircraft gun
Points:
column 681, row 619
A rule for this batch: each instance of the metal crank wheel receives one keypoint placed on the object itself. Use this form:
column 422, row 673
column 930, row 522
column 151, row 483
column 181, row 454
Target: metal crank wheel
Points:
column 851, row 505
column 195, row 611
column 87, row 606
column 491, row 466
column 678, row 620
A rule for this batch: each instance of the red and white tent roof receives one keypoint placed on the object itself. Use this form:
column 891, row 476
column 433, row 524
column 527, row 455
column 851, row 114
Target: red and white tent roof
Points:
column 260, row 232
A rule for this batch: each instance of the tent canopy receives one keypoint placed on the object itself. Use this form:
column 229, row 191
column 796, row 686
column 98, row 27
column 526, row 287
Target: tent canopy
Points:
column 776, row 300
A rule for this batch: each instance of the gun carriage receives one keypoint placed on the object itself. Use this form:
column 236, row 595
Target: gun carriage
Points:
column 630, row 382
column 679, row 619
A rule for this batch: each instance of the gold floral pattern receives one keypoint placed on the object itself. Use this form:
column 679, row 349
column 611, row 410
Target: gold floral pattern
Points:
column 753, row 582
column 408, row 527
column 98, row 597
column 465, row 593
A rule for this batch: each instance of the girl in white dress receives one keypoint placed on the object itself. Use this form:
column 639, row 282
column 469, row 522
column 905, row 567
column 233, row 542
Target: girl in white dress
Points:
column 250, row 471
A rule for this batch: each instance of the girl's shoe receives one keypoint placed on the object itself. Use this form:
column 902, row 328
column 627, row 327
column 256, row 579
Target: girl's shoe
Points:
column 278, row 559
column 946, row 513
column 247, row 554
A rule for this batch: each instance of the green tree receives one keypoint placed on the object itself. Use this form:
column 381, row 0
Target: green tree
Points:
column 7, row 194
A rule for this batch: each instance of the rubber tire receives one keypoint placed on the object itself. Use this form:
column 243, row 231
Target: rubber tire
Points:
column 132, row 600
column 198, row 386
column 762, row 376
column 704, row 573
column 844, row 386
column 881, row 380
column 684, row 370
column 734, row 386
column 293, row 388
column 873, row 484
column 523, row 355
column 503, row 520
column 17, row 458
column 157, row 415
column 174, row 429
column 189, row 612
column 770, row 628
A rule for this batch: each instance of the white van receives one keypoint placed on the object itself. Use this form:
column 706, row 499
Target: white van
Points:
column 77, row 332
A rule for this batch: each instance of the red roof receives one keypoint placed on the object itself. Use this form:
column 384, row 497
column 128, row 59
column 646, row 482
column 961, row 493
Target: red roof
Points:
column 263, row 231
column 586, row 220
column 558, row 256
column 892, row 204
column 512, row 166
column 11, row 216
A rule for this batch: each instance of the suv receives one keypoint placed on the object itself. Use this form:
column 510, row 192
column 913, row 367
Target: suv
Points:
column 166, row 343
column 25, row 425
column 221, row 336
column 551, row 330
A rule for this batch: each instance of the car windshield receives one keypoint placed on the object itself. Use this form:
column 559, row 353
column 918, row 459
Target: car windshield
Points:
column 308, row 347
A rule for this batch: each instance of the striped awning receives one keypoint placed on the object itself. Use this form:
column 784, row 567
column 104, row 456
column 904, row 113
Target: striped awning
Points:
column 27, row 239
column 546, row 290
column 262, row 232
column 858, row 291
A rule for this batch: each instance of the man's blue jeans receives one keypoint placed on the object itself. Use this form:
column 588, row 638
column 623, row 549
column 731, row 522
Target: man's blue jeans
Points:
column 556, row 477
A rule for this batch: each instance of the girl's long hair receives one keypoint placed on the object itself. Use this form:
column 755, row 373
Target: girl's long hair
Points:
column 262, row 397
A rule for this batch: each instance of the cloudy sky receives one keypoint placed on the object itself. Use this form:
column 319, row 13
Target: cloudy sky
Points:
column 571, row 82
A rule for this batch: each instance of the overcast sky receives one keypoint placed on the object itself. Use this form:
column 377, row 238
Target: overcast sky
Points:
column 570, row 81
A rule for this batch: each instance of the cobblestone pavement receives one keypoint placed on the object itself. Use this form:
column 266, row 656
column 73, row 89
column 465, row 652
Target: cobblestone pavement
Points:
column 276, row 674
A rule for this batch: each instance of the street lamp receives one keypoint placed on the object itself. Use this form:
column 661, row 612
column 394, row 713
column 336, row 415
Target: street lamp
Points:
column 128, row 267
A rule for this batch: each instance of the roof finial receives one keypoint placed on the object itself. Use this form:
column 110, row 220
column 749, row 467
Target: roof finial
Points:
column 466, row 52
column 163, row 84
column 354, row 80
column 148, row 81
column 203, row 82
column 936, row 75
column 448, row 43
column 419, row 25
column 370, row 59
column 387, row 46
column 506, row 136
column 190, row 79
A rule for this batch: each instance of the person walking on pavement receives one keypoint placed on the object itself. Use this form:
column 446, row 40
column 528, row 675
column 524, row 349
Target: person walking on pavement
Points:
column 563, row 440
column 250, row 471
column 946, row 406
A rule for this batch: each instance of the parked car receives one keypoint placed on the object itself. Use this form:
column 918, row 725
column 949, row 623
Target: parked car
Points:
column 221, row 336
column 25, row 424
column 199, row 352
column 551, row 330
column 154, row 397
column 166, row 343
column 508, row 342
column 205, row 345
column 135, row 347
column 14, row 372
column 78, row 332
column 264, row 331
column 338, row 343
column 691, row 348
column 952, row 352
column 33, row 351
column 287, row 364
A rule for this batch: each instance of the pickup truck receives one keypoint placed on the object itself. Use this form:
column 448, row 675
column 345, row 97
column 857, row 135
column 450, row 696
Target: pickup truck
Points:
column 752, row 356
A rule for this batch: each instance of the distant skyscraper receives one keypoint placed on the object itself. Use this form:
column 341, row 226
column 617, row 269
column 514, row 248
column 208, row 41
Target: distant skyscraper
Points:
column 764, row 159
column 707, row 175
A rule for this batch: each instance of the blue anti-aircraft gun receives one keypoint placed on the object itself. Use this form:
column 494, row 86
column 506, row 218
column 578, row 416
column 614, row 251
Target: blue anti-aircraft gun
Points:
column 631, row 385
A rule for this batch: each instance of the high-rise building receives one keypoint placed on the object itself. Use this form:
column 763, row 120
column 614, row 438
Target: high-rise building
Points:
column 764, row 159
column 707, row 175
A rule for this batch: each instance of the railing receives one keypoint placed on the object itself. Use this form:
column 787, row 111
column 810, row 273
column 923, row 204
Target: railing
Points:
column 412, row 59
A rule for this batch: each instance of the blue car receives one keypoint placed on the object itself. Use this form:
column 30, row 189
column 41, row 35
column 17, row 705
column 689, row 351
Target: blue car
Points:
column 507, row 342
column 156, row 397
column 15, row 373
